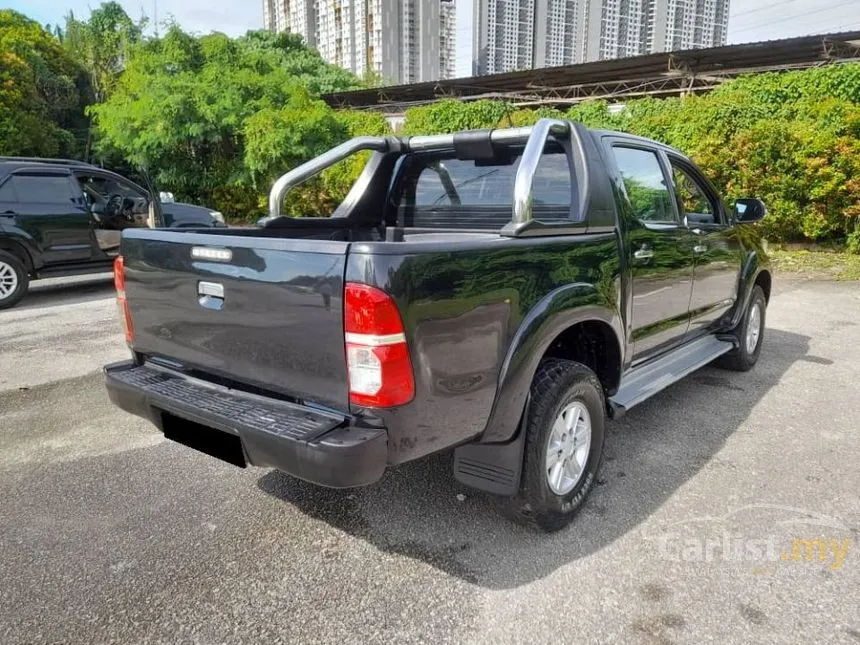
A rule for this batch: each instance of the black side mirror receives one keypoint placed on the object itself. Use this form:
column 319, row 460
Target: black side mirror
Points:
column 749, row 210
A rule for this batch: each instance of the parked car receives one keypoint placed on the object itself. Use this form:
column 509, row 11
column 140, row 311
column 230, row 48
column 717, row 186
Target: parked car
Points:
column 499, row 293
column 65, row 217
column 178, row 214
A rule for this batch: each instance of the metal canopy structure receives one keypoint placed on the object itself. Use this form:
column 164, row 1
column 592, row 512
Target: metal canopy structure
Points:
column 665, row 74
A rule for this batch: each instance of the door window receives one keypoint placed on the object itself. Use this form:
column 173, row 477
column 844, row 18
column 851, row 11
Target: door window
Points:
column 645, row 185
column 43, row 189
column 693, row 197
column 98, row 188
column 7, row 192
column 114, row 205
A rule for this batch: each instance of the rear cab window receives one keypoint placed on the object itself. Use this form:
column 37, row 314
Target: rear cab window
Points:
column 441, row 191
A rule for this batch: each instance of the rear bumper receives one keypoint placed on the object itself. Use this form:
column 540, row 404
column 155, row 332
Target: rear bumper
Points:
column 310, row 444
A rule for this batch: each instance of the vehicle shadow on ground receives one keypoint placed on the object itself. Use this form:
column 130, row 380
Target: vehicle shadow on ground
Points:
column 52, row 294
column 650, row 453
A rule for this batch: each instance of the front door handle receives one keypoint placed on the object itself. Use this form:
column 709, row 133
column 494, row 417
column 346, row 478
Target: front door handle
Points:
column 700, row 248
column 643, row 254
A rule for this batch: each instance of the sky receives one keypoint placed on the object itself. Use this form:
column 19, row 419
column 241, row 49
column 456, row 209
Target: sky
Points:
column 749, row 20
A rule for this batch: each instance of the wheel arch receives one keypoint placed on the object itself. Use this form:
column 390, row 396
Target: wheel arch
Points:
column 15, row 248
column 756, row 271
column 764, row 279
column 555, row 328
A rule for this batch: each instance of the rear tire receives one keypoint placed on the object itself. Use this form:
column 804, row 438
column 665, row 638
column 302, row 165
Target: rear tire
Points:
column 750, row 334
column 14, row 280
column 564, row 444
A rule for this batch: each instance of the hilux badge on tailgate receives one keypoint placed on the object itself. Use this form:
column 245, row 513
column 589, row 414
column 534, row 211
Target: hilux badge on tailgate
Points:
column 206, row 253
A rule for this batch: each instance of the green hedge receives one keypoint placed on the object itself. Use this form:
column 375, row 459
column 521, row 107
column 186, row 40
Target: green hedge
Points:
column 791, row 138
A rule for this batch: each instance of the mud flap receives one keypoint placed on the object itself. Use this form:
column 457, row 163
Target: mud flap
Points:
column 492, row 467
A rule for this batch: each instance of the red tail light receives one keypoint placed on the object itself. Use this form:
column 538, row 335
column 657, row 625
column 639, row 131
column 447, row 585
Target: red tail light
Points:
column 377, row 357
column 122, row 303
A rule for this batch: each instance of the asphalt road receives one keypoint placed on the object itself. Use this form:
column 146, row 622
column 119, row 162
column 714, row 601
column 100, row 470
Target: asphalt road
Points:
column 108, row 533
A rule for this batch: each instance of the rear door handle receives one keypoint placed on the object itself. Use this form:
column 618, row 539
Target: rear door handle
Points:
column 700, row 248
column 643, row 254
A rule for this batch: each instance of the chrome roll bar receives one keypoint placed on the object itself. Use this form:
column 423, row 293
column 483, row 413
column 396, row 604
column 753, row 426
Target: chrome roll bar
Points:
column 524, row 181
column 535, row 139
column 297, row 175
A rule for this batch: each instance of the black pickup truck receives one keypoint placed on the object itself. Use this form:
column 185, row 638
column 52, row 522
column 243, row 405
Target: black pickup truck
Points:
column 497, row 292
column 62, row 217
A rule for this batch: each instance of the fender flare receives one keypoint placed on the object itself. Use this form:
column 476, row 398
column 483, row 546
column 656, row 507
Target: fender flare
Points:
column 752, row 268
column 559, row 310
column 18, row 249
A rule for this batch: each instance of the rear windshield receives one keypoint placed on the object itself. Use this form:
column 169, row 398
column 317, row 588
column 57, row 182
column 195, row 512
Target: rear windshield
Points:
column 445, row 192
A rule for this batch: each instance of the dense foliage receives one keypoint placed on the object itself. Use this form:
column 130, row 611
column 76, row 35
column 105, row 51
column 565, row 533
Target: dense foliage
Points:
column 215, row 119
column 792, row 139
column 43, row 91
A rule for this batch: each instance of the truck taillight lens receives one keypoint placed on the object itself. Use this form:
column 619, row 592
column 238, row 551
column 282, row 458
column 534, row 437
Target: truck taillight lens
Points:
column 122, row 303
column 377, row 356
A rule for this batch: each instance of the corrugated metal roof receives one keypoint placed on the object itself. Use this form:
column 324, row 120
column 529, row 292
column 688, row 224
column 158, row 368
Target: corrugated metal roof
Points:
column 622, row 76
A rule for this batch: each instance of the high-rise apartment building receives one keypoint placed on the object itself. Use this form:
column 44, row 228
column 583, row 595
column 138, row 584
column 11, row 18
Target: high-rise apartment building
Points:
column 523, row 34
column 401, row 41
column 447, row 39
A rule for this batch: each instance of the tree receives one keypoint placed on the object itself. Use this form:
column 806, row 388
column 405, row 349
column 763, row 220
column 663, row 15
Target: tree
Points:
column 100, row 44
column 215, row 118
column 41, row 91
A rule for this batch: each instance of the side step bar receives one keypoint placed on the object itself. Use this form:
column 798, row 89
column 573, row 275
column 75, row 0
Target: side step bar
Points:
column 645, row 381
column 497, row 467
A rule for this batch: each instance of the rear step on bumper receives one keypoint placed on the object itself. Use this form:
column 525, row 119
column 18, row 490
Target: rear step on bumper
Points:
column 310, row 444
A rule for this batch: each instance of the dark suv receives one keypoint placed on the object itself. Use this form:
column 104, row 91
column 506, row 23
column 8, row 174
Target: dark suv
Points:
column 63, row 217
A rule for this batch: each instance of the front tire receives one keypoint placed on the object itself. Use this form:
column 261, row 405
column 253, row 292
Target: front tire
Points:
column 750, row 334
column 14, row 280
column 564, row 444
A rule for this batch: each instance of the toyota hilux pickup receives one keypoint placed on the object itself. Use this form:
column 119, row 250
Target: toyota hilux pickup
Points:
column 499, row 292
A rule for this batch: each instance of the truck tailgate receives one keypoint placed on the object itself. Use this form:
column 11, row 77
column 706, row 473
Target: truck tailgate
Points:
column 266, row 312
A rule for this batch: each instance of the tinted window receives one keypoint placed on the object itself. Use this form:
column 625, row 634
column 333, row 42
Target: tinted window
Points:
column 7, row 192
column 465, row 183
column 693, row 197
column 645, row 184
column 43, row 189
column 105, row 186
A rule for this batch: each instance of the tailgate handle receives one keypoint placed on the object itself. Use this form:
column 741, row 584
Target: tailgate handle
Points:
column 211, row 295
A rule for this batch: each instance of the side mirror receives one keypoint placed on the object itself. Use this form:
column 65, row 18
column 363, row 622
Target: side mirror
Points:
column 98, row 208
column 749, row 210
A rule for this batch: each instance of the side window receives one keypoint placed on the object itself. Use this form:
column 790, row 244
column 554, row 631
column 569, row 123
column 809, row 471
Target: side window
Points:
column 44, row 189
column 105, row 187
column 7, row 192
column 121, row 188
column 693, row 197
column 645, row 185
